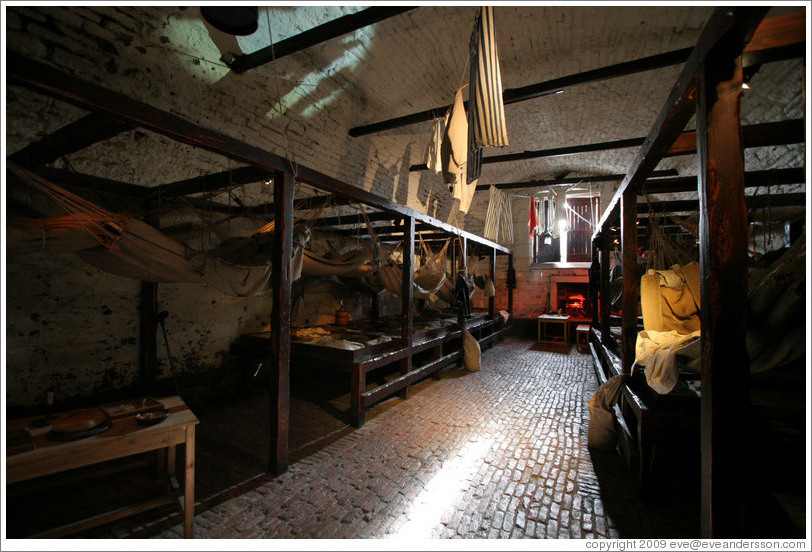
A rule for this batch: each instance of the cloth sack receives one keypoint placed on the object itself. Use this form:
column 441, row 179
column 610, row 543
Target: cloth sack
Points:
column 601, row 433
column 471, row 351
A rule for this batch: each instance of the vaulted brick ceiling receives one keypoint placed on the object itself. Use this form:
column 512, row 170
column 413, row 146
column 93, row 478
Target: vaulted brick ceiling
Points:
column 168, row 57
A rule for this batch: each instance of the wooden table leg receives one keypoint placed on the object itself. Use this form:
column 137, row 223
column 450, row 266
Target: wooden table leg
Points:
column 438, row 352
column 189, row 484
column 357, row 385
column 170, row 460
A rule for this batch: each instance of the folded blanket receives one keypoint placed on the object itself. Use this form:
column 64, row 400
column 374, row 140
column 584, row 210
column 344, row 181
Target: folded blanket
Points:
column 657, row 352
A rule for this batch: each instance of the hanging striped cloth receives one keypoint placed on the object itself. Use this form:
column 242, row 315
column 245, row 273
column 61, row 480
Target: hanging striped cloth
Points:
column 486, row 109
column 499, row 218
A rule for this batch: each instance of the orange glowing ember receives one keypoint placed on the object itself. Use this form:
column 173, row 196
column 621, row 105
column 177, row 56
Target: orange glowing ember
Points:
column 575, row 301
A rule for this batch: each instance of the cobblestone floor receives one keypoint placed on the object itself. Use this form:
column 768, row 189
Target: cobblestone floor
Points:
column 495, row 454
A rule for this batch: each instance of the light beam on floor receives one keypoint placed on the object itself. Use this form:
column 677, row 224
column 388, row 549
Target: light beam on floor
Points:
column 442, row 492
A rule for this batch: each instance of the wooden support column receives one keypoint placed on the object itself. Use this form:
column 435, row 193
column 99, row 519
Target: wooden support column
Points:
column 606, row 296
column 148, row 326
column 460, row 313
column 631, row 281
column 593, row 281
column 492, row 300
column 510, row 288
column 279, row 413
column 723, row 264
column 407, row 297
column 454, row 258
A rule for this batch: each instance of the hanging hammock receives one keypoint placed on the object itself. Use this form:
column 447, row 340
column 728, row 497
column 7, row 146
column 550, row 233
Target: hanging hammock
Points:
column 391, row 275
column 431, row 276
column 447, row 290
column 122, row 245
column 85, row 225
column 664, row 252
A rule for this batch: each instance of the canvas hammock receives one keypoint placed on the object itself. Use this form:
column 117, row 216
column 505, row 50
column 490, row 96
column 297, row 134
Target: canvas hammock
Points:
column 352, row 263
column 447, row 290
column 122, row 245
column 426, row 282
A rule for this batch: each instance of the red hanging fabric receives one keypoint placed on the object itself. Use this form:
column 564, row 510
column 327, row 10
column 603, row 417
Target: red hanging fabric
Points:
column 532, row 220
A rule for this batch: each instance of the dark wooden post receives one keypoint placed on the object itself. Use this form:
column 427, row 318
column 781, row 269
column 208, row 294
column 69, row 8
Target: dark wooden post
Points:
column 460, row 309
column 606, row 296
column 510, row 288
column 464, row 252
column 454, row 257
column 492, row 300
column 279, row 414
column 596, row 244
column 631, row 283
column 375, row 308
column 723, row 262
column 407, row 298
column 148, row 322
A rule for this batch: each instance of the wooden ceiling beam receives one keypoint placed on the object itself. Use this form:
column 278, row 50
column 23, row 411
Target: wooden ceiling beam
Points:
column 64, row 177
column 316, row 35
column 753, row 202
column 757, row 135
column 76, row 136
column 726, row 25
column 48, row 80
column 568, row 180
column 752, row 179
column 212, row 182
column 780, row 133
column 776, row 39
column 361, row 230
column 355, row 219
column 545, row 88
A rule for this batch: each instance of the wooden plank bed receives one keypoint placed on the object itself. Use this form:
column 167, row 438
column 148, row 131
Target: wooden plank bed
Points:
column 444, row 340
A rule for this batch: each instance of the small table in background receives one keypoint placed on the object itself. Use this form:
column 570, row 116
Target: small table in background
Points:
column 545, row 319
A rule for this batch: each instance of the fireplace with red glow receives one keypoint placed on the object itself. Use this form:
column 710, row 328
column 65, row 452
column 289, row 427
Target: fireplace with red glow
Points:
column 572, row 298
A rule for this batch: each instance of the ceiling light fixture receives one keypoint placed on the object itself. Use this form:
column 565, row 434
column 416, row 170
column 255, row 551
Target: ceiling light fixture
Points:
column 235, row 20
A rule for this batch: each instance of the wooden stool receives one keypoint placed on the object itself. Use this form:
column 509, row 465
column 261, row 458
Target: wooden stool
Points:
column 582, row 338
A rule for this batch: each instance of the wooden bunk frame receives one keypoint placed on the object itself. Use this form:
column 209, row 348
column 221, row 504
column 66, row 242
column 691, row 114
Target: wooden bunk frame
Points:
column 444, row 344
column 710, row 87
column 105, row 104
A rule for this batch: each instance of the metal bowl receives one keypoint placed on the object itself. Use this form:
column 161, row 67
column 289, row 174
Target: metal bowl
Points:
column 151, row 418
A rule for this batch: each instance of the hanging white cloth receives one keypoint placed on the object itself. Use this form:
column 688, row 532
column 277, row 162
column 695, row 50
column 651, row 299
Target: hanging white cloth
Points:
column 560, row 193
column 434, row 159
column 464, row 191
column 454, row 150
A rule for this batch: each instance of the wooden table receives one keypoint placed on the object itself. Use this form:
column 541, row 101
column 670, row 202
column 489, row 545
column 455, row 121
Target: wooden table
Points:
column 124, row 438
column 545, row 319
